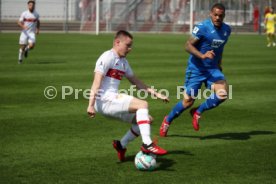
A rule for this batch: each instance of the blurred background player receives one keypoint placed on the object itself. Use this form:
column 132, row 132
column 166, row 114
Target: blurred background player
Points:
column 110, row 68
column 270, row 19
column 204, row 66
column 29, row 22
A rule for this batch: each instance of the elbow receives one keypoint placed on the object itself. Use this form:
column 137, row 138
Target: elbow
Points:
column 187, row 46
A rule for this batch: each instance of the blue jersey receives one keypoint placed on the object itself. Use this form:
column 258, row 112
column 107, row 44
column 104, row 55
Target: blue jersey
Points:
column 210, row 38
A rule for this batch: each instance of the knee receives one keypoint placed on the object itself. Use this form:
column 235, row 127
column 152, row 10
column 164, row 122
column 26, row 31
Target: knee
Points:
column 31, row 45
column 222, row 95
column 188, row 102
column 143, row 105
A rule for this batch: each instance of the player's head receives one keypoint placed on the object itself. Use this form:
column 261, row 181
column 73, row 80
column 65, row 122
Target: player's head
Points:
column 31, row 5
column 271, row 10
column 122, row 43
column 217, row 14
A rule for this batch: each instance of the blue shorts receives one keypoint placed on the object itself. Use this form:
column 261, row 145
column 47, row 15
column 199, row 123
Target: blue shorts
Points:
column 194, row 80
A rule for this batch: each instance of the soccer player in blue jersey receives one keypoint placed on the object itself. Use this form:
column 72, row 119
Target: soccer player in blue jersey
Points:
column 204, row 67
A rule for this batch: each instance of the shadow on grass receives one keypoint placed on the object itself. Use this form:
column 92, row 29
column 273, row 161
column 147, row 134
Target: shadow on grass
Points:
column 229, row 136
column 162, row 162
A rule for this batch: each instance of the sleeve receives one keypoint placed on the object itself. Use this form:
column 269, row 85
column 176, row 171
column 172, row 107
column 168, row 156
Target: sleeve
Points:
column 103, row 64
column 129, row 72
column 21, row 18
column 198, row 31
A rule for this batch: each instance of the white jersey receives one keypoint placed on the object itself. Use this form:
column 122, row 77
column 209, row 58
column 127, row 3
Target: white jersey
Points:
column 113, row 68
column 30, row 20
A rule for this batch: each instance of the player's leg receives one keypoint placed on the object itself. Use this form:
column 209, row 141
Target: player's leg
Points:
column 117, row 106
column 31, row 43
column 273, row 38
column 23, row 40
column 140, row 107
column 120, row 145
column 176, row 111
column 269, row 38
column 192, row 85
column 21, row 53
column 132, row 133
column 217, row 82
column 216, row 98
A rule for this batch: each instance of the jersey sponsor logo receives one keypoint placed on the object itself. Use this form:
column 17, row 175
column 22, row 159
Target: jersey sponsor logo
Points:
column 217, row 43
column 116, row 74
column 29, row 20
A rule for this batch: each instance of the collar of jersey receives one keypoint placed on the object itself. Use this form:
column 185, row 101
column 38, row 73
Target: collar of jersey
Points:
column 115, row 54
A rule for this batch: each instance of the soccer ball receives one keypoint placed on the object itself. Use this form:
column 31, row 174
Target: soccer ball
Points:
column 145, row 162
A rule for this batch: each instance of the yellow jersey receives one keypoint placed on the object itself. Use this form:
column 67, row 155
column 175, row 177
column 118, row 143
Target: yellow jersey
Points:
column 270, row 22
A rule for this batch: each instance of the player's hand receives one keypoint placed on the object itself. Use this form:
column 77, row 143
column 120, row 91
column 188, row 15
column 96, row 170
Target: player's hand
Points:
column 209, row 54
column 163, row 97
column 91, row 111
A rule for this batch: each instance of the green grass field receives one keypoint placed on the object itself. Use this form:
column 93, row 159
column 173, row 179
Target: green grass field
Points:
column 54, row 141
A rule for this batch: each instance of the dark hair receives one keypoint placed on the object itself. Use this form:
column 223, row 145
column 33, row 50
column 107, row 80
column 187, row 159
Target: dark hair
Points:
column 123, row 33
column 218, row 6
column 31, row 1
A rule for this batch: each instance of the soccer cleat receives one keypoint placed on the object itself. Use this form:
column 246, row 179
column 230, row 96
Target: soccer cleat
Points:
column 196, row 117
column 164, row 128
column 274, row 44
column 269, row 45
column 20, row 61
column 153, row 148
column 120, row 150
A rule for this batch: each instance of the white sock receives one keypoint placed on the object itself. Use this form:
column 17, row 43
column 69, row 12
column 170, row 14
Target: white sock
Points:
column 20, row 56
column 130, row 135
column 142, row 118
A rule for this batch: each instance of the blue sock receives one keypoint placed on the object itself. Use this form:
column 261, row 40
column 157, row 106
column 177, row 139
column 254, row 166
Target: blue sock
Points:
column 175, row 112
column 212, row 102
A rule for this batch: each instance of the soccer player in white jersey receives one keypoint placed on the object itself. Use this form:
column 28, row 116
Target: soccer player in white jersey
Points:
column 111, row 66
column 29, row 22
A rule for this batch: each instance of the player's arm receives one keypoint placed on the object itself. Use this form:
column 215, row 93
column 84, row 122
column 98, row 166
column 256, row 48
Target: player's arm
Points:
column 38, row 26
column 98, row 77
column 21, row 24
column 140, row 85
column 190, row 48
column 265, row 21
column 220, row 62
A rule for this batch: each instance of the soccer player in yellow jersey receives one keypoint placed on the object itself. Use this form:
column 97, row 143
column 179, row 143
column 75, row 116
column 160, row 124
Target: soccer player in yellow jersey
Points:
column 270, row 20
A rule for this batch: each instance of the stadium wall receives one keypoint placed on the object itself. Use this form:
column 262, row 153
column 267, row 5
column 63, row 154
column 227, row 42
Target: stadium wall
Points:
column 132, row 15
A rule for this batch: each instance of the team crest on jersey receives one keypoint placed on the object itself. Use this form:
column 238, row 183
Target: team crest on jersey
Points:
column 217, row 43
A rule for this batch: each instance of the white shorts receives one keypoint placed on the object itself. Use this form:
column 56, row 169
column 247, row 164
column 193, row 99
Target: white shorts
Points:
column 115, row 105
column 26, row 37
